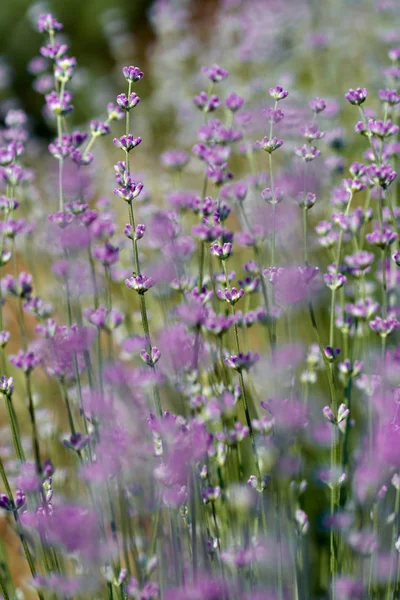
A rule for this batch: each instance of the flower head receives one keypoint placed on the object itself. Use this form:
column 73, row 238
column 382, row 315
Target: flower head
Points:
column 215, row 73
column 48, row 23
column 140, row 283
column 132, row 74
column 242, row 361
column 357, row 96
column 278, row 93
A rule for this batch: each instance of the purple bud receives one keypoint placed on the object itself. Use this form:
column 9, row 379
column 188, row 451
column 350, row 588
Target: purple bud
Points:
column 139, row 231
column 328, row 414
column 215, row 73
column 278, row 93
column 317, row 105
column 356, row 96
column 132, row 74
column 234, row 102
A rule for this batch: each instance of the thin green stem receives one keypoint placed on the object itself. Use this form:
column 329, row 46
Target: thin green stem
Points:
column 32, row 417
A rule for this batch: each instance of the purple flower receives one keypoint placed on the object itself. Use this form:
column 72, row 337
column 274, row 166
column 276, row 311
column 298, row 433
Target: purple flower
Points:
column 270, row 145
column 334, row 280
column 127, row 103
column 60, row 151
column 242, row 361
column 150, row 358
column 383, row 239
column 37, row 65
column 132, row 74
column 350, row 369
column 174, row 159
column 206, row 103
column 331, row 353
column 127, row 142
column 26, row 361
column 307, row 153
column 391, row 97
column 278, row 93
column 76, row 442
column 382, row 175
column 103, row 318
column 363, row 309
column 328, row 414
column 61, row 219
column 221, row 251
column 382, row 129
column 53, row 51
column 348, row 588
column 210, row 494
column 99, row 128
column 384, row 327
column 359, row 262
column 21, row 287
column 7, row 504
column 107, row 254
column 139, row 231
column 64, row 68
column 307, row 201
column 234, row 102
column 230, row 295
column 47, row 22
column 312, row 132
column 59, row 105
column 273, row 116
column 140, row 283
column 114, row 112
column 317, row 105
column 215, row 73
column 6, row 385
column 356, row 96
column 272, row 196
column 129, row 191
column 4, row 337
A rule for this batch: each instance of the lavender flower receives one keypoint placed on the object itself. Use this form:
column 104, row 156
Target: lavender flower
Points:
column 140, row 283
column 6, row 385
column 127, row 103
column 270, row 145
column 7, row 504
column 317, row 105
column 384, row 327
column 175, row 159
column 127, row 142
column 230, row 295
column 307, row 153
column 357, row 96
column 150, row 359
column 242, row 361
column 234, row 102
column 48, row 23
column 132, row 74
column 278, row 93
column 215, row 73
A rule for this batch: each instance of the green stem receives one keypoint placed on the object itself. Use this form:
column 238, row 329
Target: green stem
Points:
column 15, row 430
column 305, row 227
column 393, row 550
column 35, row 435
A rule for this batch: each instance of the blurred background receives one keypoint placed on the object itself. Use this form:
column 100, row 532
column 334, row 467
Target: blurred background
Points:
column 312, row 48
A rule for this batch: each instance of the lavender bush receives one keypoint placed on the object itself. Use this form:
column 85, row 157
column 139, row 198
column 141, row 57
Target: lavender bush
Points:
column 200, row 386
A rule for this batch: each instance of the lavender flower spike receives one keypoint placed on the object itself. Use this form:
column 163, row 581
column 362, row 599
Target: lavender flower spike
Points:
column 357, row 96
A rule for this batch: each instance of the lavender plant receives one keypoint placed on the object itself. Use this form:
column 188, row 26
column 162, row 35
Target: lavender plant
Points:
column 201, row 397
